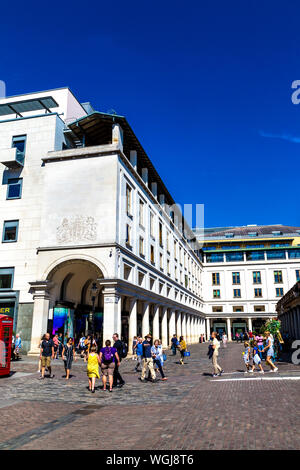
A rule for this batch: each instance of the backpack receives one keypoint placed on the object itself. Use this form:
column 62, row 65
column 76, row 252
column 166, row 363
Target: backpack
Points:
column 107, row 356
column 123, row 350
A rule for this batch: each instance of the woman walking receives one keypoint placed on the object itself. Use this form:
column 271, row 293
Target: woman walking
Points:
column 182, row 349
column 215, row 347
column 68, row 354
column 108, row 359
column 93, row 368
column 157, row 354
column 269, row 348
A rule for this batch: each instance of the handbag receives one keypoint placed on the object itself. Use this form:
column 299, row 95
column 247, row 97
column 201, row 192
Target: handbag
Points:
column 187, row 353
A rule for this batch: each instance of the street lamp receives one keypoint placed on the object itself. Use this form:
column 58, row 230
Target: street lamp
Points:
column 94, row 292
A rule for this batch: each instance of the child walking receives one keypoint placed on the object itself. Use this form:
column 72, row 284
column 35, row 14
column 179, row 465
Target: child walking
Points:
column 93, row 367
column 256, row 358
column 246, row 354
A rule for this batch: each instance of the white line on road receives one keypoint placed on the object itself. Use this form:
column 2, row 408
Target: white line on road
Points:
column 254, row 378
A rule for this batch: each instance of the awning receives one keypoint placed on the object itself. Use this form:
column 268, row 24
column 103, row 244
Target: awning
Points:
column 25, row 106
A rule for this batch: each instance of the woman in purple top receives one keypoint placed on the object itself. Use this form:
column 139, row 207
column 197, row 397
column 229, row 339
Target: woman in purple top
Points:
column 108, row 358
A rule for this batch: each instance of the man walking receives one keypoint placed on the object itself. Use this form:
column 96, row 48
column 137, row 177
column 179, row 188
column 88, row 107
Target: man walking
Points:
column 46, row 353
column 139, row 353
column 215, row 346
column 174, row 344
column 118, row 380
column 147, row 359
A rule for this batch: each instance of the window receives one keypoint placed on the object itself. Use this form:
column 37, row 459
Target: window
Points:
column 14, row 188
column 168, row 267
column 10, row 231
column 160, row 234
column 216, row 279
column 141, row 212
column 186, row 281
column 168, row 241
column 238, row 309
column 297, row 275
column 216, row 294
column 255, row 255
column 152, row 258
column 278, row 277
column 152, row 224
column 141, row 277
column 141, row 247
column 294, row 253
column 276, row 254
column 19, row 142
column 175, row 249
column 259, row 308
column 236, row 293
column 6, row 278
column 127, row 272
column 236, row 278
column 180, row 255
column 128, row 199
column 217, row 309
column 279, row 291
column 257, row 293
column 256, row 277
column 235, row 256
column 161, row 261
column 214, row 257
column 152, row 283
column 128, row 235
column 176, row 273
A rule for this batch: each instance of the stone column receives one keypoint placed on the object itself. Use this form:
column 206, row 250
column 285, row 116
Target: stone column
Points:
column 172, row 326
column 145, row 320
column 188, row 328
column 183, row 325
column 178, row 325
column 41, row 298
column 249, row 324
column 111, row 313
column 117, row 136
column 155, row 322
column 132, row 322
column 207, row 329
column 164, row 327
column 229, row 330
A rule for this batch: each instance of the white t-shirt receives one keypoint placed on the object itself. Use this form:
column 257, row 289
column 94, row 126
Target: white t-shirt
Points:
column 216, row 343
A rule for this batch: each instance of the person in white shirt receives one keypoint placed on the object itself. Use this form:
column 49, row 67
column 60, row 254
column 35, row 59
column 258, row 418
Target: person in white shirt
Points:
column 216, row 345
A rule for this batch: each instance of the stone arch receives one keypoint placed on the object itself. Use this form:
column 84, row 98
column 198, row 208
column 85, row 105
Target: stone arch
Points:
column 71, row 259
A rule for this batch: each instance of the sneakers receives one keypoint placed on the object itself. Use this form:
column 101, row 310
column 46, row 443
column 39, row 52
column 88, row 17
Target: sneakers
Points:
column 215, row 375
column 276, row 369
column 142, row 380
column 261, row 372
column 251, row 371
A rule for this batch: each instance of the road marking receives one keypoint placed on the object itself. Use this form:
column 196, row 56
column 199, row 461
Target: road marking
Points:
column 254, row 378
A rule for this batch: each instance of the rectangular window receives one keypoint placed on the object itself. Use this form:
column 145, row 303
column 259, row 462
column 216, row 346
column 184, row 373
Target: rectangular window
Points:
column 10, row 231
column 160, row 234
column 168, row 266
column 6, row 278
column 141, row 212
column 141, row 246
column 236, row 293
column 279, row 291
column 278, row 277
column 255, row 255
column 176, row 273
column 236, row 278
column 14, row 188
column 168, row 241
column 259, row 308
column 216, row 279
column 186, row 281
column 256, row 277
column 175, row 249
column 214, row 257
column 128, row 199
column 239, row 256
column 161, row 261
column 152, row 258
column 257, row 293
column 297, row 275
column 217, row 309
column 19, row 142
column 276, row 254
column 128, row 235
column 294, row 253
column 216, row 294
column 238, row 309
column 151, row 224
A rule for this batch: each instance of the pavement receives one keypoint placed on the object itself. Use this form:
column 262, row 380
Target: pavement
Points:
column 190, row 411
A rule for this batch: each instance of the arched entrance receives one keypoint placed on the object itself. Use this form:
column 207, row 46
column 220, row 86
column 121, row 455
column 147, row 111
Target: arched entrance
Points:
column 76, row 300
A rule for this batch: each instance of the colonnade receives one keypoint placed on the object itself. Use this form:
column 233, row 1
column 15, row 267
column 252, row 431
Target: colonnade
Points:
column 290, row 322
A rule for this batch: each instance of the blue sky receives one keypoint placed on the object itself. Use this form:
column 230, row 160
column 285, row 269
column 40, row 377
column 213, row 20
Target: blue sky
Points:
column 206, row 86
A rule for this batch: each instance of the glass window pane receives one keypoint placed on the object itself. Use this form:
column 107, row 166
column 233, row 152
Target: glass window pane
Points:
column 276, row 254
column 234, row 256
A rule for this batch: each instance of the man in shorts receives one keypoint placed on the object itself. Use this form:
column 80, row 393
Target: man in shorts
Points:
column 46, row 354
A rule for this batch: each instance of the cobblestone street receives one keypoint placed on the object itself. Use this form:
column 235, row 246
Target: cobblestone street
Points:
column 192, row 410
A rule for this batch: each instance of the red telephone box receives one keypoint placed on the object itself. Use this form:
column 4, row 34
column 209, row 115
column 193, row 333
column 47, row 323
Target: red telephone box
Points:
column 6, row 329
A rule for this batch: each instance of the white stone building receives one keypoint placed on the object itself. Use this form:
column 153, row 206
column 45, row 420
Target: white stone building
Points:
column 91, row 238
column 246, row 270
